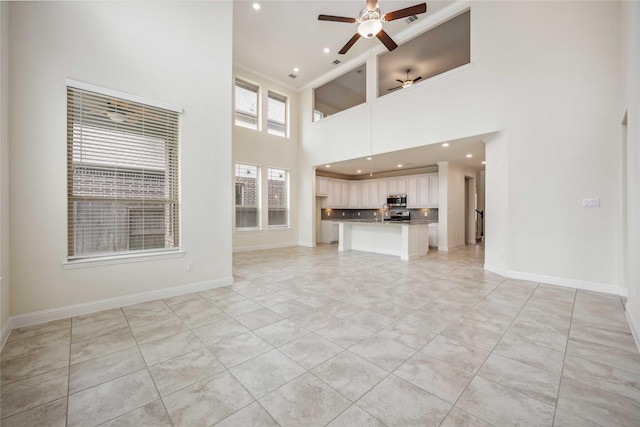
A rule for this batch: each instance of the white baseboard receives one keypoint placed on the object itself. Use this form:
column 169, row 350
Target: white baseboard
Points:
column 559, row 281
column 266, row 246
column 6, row 331
column 49, row 315
column 632, row 318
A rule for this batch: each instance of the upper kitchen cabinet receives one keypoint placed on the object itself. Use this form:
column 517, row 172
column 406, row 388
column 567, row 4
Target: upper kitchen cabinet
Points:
column 434, row 191
column 412, row 193
column 322, row 186
column 354, row 195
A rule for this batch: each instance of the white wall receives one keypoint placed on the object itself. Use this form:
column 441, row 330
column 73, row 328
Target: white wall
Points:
column 166, row 51
column 5, row 278
column 261, row 148
column 545, row 75
column 630, row 103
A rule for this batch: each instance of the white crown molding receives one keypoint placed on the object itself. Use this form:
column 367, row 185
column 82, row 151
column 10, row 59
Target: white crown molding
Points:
column 559, row 281
column 49, row 315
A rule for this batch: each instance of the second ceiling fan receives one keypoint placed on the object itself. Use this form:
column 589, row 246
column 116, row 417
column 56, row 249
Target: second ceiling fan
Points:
column 370, row 23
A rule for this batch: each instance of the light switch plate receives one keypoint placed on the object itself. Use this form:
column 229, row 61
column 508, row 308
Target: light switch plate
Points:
column 591, row 203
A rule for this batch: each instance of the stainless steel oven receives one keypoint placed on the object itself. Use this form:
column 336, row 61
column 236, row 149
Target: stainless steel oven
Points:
column 397, row 200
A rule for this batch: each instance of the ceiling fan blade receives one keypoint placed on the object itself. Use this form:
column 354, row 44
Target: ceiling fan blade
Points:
column 372, row 4
column 403, row 13
column 350, row 43
column 336, row 19
column 399, row 81
column 416, row 79
column 386, row 40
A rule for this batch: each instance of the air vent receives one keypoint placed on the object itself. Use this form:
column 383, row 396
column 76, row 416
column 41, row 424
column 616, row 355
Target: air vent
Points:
column 359, row 71
column 410, row 19
column 335, row 62
column 293, row 76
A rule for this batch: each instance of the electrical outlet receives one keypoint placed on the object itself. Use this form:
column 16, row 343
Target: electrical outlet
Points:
column 342, row 213
column 426, row 214
column 189, row 265
column 591, row 203
column 375, row 214
column 358, row 213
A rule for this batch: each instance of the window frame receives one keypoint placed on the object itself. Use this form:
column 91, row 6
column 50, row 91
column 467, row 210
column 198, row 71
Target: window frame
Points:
column 287, row 180
column 248, row 86
column 273, row 95
column 171, row 170
column 258, row 196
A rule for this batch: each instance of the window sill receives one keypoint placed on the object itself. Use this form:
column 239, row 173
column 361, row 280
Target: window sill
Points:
column 245, row 230
column 279, row 227
column 121, row 259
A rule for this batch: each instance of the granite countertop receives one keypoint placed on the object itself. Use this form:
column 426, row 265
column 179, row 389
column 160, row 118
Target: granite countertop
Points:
column 373, row 221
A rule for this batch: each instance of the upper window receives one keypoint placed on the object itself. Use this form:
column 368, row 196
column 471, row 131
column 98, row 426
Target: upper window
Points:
column 278, row 188
column 341, row 93
column 246, row 105
column 247, row 196
column 122, row 176
column 277, row 114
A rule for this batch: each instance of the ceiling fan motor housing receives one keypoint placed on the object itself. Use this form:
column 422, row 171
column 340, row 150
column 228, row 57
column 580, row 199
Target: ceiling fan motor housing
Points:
column 370, row 23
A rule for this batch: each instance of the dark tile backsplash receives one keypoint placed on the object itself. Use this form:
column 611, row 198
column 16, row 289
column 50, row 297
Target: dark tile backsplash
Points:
column 416, row 214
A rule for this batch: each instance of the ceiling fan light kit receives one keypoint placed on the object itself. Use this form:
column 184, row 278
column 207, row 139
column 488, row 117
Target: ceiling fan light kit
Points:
column 371, row 21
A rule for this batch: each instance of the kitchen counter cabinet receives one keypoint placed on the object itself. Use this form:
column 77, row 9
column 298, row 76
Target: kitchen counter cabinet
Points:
column 406, row 240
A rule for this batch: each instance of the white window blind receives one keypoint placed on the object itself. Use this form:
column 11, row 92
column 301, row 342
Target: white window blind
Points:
column 277, row 114
column 246, row 98
column 278, row 188
column 122, row 162
column 247, row 196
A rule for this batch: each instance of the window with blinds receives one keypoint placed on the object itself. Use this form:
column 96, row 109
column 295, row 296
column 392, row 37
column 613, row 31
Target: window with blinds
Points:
column 247, row 196
column 246, row 99
column 278, row 188
column 277, row 114
column 122, row 162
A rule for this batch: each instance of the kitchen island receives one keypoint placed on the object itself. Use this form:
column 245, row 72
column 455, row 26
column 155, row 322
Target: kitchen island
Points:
column 408, row 240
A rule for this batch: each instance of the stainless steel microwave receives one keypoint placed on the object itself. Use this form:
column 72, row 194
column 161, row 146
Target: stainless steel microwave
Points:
column 397, row 200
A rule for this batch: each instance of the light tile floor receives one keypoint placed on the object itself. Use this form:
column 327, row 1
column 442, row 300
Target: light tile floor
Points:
column 313, row 337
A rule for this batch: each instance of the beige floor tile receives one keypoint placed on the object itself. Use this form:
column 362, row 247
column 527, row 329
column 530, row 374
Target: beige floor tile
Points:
column 622, row 341
column 266, row 372
column 103, row 402
column 622, row 359
column 310, row 350
column 607, row 378
column 344, row 333
column 167, row 348
column 181, row 371
column 147, row 312
column 531, row 354
column 152, row 414
column 534, row 382
column 438, row 378
column 239, row 349
column 33, row 363
column 48, row 340
column 111, row 342
column 35, row 391
column 206, row 316
column 105, row 368
column 456, row 353
column 281, row 332
column 207, row 402
column 156, row 331
column 460, row 418
column 52, row 414
column 500, row 405
column 566, row 419
column 382, row 352
column 43, row 328
column 96, row 324
column 305, row 401
column 397, row 402
column 259, row 318
column 253, row 415
column 349, row 374
column 219, row 331
column 355, row 416
column 370, row 320
column 314, row 320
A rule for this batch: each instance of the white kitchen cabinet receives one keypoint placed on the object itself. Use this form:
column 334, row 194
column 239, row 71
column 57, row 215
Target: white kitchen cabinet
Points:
column 373, row 195
column 433, row 235
column 330, row 231
column 337, row 194
column 434, row 191
column 383, row 192
column 345, row 194
column 322, row 186
column 412, row 192
column 364, row 194
column 354, row 194
column 423, row 192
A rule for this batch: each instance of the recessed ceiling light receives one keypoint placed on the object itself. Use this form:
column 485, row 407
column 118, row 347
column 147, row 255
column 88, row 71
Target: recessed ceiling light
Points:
column 399, row 165
column 359, row 171
column 446, row 144
column 256, row 6
column 327, row 166
column 296, row 69
column 484, row 163
column 469, row 155
column 326, row 50
column 368, row 158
